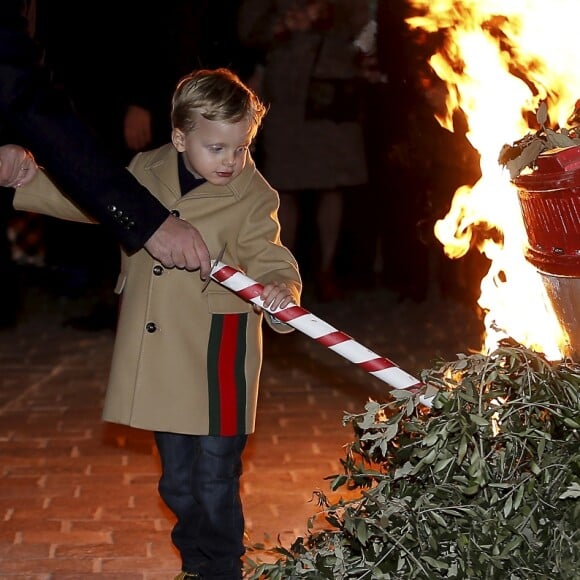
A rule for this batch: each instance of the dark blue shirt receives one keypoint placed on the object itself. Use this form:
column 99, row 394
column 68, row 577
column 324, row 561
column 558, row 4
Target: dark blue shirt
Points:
column 187, row 180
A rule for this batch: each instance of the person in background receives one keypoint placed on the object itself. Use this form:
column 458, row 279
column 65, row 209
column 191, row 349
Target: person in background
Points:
column 39, row 116
column 397, row 173
column 417, row 165
column 14, row 164
column 84, row 287
column 187, row 359
column 142, row 62
column 178, row 37
column 303, row 151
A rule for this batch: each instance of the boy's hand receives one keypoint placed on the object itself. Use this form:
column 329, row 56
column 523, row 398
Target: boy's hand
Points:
column 17, row 166
column 275, row 295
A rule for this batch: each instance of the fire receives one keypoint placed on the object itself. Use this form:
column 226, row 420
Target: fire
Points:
column 499, row 61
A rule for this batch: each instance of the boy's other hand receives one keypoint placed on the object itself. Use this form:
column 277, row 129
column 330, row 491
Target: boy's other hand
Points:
column 275, row 295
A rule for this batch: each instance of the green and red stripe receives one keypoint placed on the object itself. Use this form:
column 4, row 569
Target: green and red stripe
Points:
column 226, row 374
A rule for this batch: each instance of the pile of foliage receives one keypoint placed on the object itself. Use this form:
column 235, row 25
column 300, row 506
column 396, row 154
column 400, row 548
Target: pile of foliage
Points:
column 485, row 484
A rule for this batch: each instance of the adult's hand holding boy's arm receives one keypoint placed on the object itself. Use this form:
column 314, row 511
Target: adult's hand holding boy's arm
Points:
column 175, row 243
column 41, row 116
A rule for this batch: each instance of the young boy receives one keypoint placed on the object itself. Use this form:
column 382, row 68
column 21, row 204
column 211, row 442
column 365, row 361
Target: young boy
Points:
column 186, row 361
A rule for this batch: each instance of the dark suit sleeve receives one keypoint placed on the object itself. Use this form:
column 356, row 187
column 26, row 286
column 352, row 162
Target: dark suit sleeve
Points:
column 42, row 119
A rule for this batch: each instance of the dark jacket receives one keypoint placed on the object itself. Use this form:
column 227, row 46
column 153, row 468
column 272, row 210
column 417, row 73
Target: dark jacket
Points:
column 39, row 116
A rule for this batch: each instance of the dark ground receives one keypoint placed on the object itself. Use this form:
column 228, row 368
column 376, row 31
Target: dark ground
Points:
column 78, row 497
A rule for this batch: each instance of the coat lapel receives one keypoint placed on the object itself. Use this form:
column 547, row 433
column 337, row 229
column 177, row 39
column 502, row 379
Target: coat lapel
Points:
column 163, row 168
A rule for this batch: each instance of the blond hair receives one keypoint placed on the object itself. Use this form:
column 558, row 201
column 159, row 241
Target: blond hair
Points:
column 216, row 95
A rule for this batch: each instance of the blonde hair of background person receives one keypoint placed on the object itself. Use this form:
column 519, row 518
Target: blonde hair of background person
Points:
column 187, row 360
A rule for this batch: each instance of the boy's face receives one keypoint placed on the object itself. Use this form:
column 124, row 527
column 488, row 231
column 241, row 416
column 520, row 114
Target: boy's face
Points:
column 215, row 150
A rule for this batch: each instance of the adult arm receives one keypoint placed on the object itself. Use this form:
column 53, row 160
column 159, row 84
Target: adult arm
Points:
column 44, row 122
column 16, row 170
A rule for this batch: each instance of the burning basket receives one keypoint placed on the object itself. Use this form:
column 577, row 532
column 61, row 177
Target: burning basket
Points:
column 550, row 202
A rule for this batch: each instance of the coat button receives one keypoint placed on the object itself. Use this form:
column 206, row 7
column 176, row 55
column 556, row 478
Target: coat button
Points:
column 157, row 270
column 150, row 327
column 175, row 212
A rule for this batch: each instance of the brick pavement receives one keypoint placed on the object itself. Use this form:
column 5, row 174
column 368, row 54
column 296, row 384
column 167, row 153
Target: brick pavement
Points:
column 78, row 497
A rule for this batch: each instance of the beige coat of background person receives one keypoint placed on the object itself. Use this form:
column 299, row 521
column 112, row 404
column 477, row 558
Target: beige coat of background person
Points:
column 328, row 154
column 158, row 379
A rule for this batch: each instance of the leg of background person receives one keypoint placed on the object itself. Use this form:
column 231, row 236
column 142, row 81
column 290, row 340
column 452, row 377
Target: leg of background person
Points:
column 329, row 222
column 288, row 216
column 9, row 271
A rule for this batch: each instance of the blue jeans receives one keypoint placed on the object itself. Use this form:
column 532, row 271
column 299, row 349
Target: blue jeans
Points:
column 200, row 483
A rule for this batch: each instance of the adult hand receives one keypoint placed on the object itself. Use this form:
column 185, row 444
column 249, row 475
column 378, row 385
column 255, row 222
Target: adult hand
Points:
column 315, row 14
column 17, row 166
column 137, row 128
column 297, row 19
column 177, row 244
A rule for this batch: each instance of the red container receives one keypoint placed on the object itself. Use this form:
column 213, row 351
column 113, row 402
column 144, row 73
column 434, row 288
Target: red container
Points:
column 550, row 202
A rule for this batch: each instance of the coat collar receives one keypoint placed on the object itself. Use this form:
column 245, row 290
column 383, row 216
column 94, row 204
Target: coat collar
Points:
column 163, row 165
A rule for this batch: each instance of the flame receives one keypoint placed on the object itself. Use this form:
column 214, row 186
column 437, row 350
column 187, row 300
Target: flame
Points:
column 499, row 61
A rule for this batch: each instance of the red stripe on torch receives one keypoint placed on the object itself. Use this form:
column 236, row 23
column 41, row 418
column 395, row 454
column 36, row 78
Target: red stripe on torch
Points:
column 224, row 273
column 377, row 364
column 291, row 313
column 333, row 338
column 251, row 292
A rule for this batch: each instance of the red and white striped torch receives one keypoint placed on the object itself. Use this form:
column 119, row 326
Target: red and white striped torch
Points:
column 303, row 320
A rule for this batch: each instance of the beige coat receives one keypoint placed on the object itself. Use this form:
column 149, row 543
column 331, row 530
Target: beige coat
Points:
column 159, row 372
